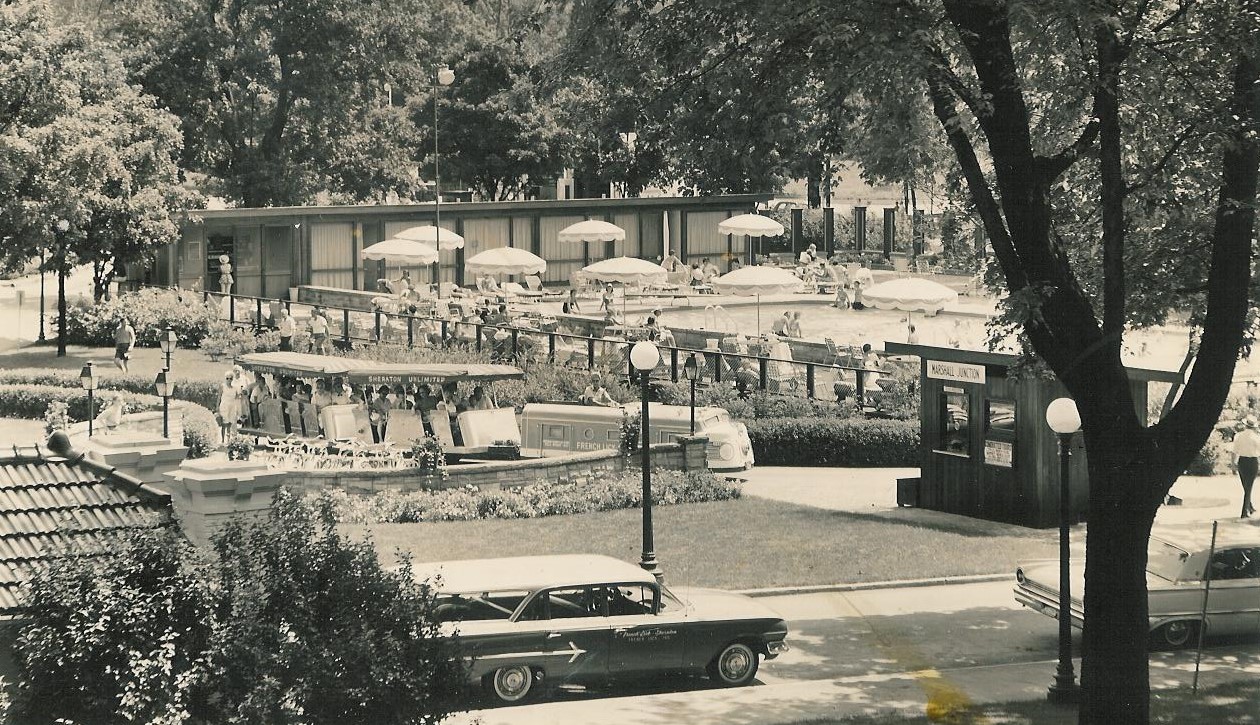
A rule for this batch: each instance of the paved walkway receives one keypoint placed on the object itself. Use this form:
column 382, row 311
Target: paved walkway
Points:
column 874, row 490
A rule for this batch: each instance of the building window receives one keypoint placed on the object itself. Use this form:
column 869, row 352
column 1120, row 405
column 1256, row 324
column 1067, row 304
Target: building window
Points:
column 999, row 433
column 954, row 412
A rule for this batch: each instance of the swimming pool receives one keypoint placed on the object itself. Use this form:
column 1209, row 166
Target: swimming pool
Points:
column 847, row 327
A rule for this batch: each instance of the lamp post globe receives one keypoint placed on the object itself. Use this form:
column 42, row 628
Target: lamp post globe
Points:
column 1062, row 416
column 644, row 356
column 445, row 76
column 1065, row 420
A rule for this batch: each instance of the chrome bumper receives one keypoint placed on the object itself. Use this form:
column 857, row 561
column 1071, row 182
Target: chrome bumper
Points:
column 774, row 649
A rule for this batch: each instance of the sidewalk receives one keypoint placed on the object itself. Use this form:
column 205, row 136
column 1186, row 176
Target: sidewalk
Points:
column 874, row 491
column 905, row 693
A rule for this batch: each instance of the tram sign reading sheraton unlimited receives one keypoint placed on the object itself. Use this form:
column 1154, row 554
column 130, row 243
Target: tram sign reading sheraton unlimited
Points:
column 961, row 372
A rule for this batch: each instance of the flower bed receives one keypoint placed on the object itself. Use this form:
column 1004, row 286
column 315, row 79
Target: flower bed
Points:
column 602, row 493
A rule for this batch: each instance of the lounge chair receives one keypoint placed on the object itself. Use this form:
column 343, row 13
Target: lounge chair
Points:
column 533, row 283
column 515, row 290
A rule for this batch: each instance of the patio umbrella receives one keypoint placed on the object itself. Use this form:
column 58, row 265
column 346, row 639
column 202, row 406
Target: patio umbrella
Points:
column 909, row 294
column 757, row 281
column 750, row 225
column 442, row 239
column 591, row 230
column 626, row 271
column 403, row 252
column 505, row 260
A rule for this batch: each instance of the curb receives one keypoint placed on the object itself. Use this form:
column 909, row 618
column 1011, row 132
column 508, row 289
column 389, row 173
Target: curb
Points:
column 863, row 586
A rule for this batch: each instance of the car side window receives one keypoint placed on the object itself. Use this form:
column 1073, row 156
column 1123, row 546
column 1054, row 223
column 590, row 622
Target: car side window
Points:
column 567, row 603
column 1242, row 563
column 630, row 599
column 469, row 607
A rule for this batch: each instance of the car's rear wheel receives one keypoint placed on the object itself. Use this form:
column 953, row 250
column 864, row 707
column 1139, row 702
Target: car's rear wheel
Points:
column 1175, row 635
column 512, row 684
column 734, row 666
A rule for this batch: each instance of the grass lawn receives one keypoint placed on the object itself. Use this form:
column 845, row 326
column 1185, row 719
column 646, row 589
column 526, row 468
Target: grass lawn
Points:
column 743, row 544
column 1234, row 702
column 186, row 364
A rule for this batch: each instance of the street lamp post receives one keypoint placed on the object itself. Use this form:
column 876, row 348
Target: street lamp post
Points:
column 87, row 380
column 691, row 370
column 1064, row 420
column 644, row 357
column 164, row 388
column 60, row 228
column 442, row 76
column 169, row 342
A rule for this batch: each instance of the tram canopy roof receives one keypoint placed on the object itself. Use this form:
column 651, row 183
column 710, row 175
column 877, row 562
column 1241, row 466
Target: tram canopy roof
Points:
column 369, row 372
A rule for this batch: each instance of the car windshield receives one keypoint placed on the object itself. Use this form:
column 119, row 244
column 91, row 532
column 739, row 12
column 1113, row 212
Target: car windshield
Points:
column 1165, row 560
column 669, row 602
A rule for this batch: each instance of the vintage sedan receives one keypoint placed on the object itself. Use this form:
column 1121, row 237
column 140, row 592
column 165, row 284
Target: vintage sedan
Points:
column 529, row 622
column 1177, row 558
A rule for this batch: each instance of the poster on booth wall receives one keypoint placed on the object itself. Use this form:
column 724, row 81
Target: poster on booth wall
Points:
column 999, row 453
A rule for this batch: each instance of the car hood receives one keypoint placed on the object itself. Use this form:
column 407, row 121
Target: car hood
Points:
column 717, row 604
column 1046, row 575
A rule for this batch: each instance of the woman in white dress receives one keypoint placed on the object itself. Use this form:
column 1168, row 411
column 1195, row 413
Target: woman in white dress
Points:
column 229, row 406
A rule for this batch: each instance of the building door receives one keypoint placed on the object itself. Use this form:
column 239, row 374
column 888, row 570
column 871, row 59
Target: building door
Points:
column 277, row 260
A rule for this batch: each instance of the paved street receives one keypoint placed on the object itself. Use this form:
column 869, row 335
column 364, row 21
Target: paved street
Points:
column 869, row 652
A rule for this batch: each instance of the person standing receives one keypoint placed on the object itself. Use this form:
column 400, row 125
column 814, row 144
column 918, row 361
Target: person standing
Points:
column 794, row 326
column 286, row 327
column 378, row 414
column 606, row 301
column 1246, row 456
column 124, row 340
column 319, row 332
column 671, row 262
column 229, row 406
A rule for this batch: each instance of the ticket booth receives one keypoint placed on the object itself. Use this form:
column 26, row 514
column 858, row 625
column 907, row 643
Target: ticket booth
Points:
column 985, row 449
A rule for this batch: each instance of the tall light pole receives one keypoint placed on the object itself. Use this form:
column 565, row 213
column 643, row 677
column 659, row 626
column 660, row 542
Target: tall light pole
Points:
column 59, row 229
column 442, row 76
column 645, row 357
column 1064, row 420
column 691, row 370
column 87, row 380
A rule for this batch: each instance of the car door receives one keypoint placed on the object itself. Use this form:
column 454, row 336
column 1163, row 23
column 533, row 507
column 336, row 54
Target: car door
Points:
column 647, row 630
column 1234, row 604
column 573, row 630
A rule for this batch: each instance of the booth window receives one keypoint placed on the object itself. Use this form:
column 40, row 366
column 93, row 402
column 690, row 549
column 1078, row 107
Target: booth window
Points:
column 1001, row 418
column 954, row 434
column 999, row 433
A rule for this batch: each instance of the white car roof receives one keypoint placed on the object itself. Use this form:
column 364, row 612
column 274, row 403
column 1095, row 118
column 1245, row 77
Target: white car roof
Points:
column 1198, row 536
column 528, row 573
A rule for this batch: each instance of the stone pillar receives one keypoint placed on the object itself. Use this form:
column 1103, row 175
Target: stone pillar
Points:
column 694, row 458
column 146, row 457
column 209, row 492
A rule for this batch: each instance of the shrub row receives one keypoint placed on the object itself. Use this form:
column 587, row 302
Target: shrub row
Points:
column 824, row 442
column 150, row 311
column 202, row 392
column 600, row 493
column 30, row 401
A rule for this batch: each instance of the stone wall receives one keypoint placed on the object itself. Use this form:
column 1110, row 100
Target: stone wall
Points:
column 688, row 454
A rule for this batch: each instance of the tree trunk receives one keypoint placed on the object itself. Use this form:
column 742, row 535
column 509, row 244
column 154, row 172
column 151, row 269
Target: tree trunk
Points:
column 813, row 186
column 1127, row 481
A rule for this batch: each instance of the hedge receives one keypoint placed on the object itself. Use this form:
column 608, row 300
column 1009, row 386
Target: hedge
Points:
column 544, row 498
column 150, row 311
column 201, row 431
column 854, row 442
column 202, row 392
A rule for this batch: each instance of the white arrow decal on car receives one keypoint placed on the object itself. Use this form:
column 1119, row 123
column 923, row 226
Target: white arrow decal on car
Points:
column 574, row 651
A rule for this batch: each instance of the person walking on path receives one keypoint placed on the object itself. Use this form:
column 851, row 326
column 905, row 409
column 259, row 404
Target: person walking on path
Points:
column 229, row 406
column 286, row 327
column 124, row 340
column 378, row 414
column 1246, row 457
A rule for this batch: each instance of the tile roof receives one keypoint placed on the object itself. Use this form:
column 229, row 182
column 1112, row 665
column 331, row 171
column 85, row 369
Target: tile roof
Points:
column 54, row 507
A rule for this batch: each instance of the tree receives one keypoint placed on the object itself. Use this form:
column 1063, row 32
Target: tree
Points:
column 281, row 101
column 79, row 145
column 285, row 621
column 312, row 629
column 1110, row 153
column 118, row 639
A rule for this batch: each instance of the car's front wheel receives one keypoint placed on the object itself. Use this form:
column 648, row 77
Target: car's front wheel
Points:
column 1175, row 635
column 512, row 684
column 734, row 666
